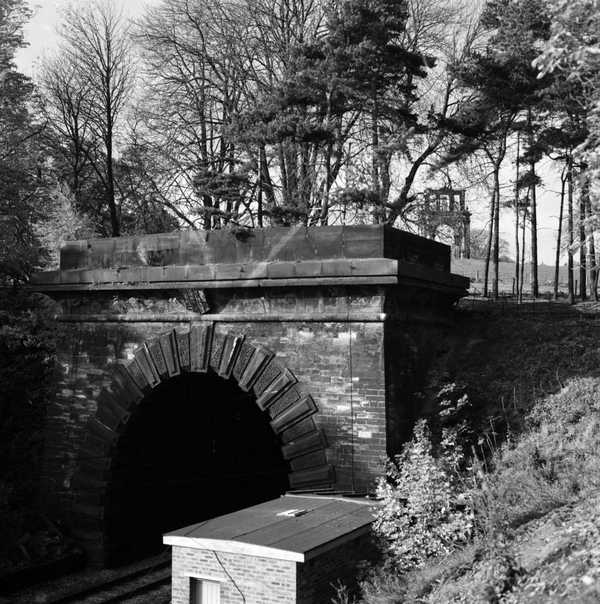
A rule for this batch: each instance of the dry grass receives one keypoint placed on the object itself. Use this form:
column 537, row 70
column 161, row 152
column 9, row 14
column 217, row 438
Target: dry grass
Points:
column 553, row 464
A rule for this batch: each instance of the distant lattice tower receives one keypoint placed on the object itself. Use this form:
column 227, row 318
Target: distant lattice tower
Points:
column 446, row 207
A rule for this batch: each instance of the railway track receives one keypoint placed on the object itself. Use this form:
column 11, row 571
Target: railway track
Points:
column 150, row 584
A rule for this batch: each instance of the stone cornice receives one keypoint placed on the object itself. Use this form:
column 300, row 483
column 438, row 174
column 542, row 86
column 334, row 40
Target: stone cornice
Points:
column 357, row 271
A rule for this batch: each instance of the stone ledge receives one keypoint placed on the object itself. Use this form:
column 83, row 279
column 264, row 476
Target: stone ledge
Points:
column 186, row 318
column 360, row 271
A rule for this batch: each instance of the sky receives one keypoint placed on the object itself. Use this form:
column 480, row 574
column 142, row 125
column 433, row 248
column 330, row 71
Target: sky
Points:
column 40, row 33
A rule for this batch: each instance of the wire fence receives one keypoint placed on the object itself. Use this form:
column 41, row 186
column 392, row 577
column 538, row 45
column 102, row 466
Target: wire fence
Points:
column 507, row 303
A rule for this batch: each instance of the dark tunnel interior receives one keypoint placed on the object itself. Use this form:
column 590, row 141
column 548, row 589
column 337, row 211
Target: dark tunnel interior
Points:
column 196, row 447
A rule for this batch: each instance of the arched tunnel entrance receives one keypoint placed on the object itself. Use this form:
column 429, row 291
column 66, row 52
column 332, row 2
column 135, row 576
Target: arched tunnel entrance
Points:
column 193, row 425
column 195, row 447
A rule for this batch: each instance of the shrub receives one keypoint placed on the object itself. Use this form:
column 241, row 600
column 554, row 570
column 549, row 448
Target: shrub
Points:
column 26, row 369
column 425, row 511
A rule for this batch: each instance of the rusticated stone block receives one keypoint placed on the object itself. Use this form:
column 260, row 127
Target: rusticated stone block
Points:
column 259, row 360
column 124, row 388
column 276, row 388
column 304, row 407
column 143, row 360
column 267, row 377
column 242, row 360
column 201, row 337
column 231, row 349
column 323, row 475
column 313, row 441
column 109, row 412
column 168, row 345
column 182, row 339
column 310, row 460
column 158, row 360
column 217, row 350
column 283, row 401
column 298, row 430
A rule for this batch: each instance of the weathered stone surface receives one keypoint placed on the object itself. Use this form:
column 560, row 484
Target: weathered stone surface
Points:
column 158, row 359
column 168, row 344
column 303, row 428
column 200, row 338
column 269, row 374
column 314, row 459
column 285, row 398
column 242, row 360
column 331, row 359
column 313, row 441
column 299, row 410
column 216, row 352
column 276, row 388
column 255, row 366
column 124, row 387
column 110, row 412
column 322, row 475
column 144, row 362
column 267, row 245
column 183, row 349
column 231, row 349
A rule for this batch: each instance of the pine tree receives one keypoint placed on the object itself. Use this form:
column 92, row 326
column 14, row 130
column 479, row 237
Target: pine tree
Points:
column 504, row 87
column 381, row 73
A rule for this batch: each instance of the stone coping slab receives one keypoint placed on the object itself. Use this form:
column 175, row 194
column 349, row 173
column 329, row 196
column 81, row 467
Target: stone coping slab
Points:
column 273, row 244
column 358, row 271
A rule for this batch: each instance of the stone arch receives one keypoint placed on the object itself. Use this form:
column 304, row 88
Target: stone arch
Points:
column 197, row 349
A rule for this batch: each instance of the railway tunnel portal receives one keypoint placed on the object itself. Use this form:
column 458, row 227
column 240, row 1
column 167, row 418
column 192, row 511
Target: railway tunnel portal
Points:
column 202, row 372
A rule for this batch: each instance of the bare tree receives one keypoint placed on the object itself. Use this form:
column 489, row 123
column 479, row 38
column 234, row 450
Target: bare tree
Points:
column 198, row 82
column 63, row 102
column 96, row 49
column 214, row 68
column 563, row 182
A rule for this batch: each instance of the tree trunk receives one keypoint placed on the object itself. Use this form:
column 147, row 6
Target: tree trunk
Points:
column 591, row 248
column 377, row 211
column 571, row 290
column 523, row 232
column 534, row 243
column 582, row 246
column 517, row 274
column 559, row 235
column 266, row 183
column 110, row 179
column 489, row 244
column 496, row 233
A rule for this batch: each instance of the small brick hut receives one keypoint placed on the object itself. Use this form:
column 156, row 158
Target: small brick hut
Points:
column 291, row 550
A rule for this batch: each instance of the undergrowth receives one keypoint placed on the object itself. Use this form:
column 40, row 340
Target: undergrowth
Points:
column 448, row 536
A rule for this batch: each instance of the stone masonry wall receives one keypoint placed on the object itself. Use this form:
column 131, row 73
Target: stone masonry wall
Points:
column 340, row 363
column 244, row 579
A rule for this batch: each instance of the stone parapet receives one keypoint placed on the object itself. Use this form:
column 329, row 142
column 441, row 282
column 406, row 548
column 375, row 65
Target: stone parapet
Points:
column 301, row 273
column 275, row 244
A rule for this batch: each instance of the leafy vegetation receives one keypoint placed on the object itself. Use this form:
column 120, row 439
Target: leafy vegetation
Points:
column 425, row 512
column 26, row 375
column 525, row 495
